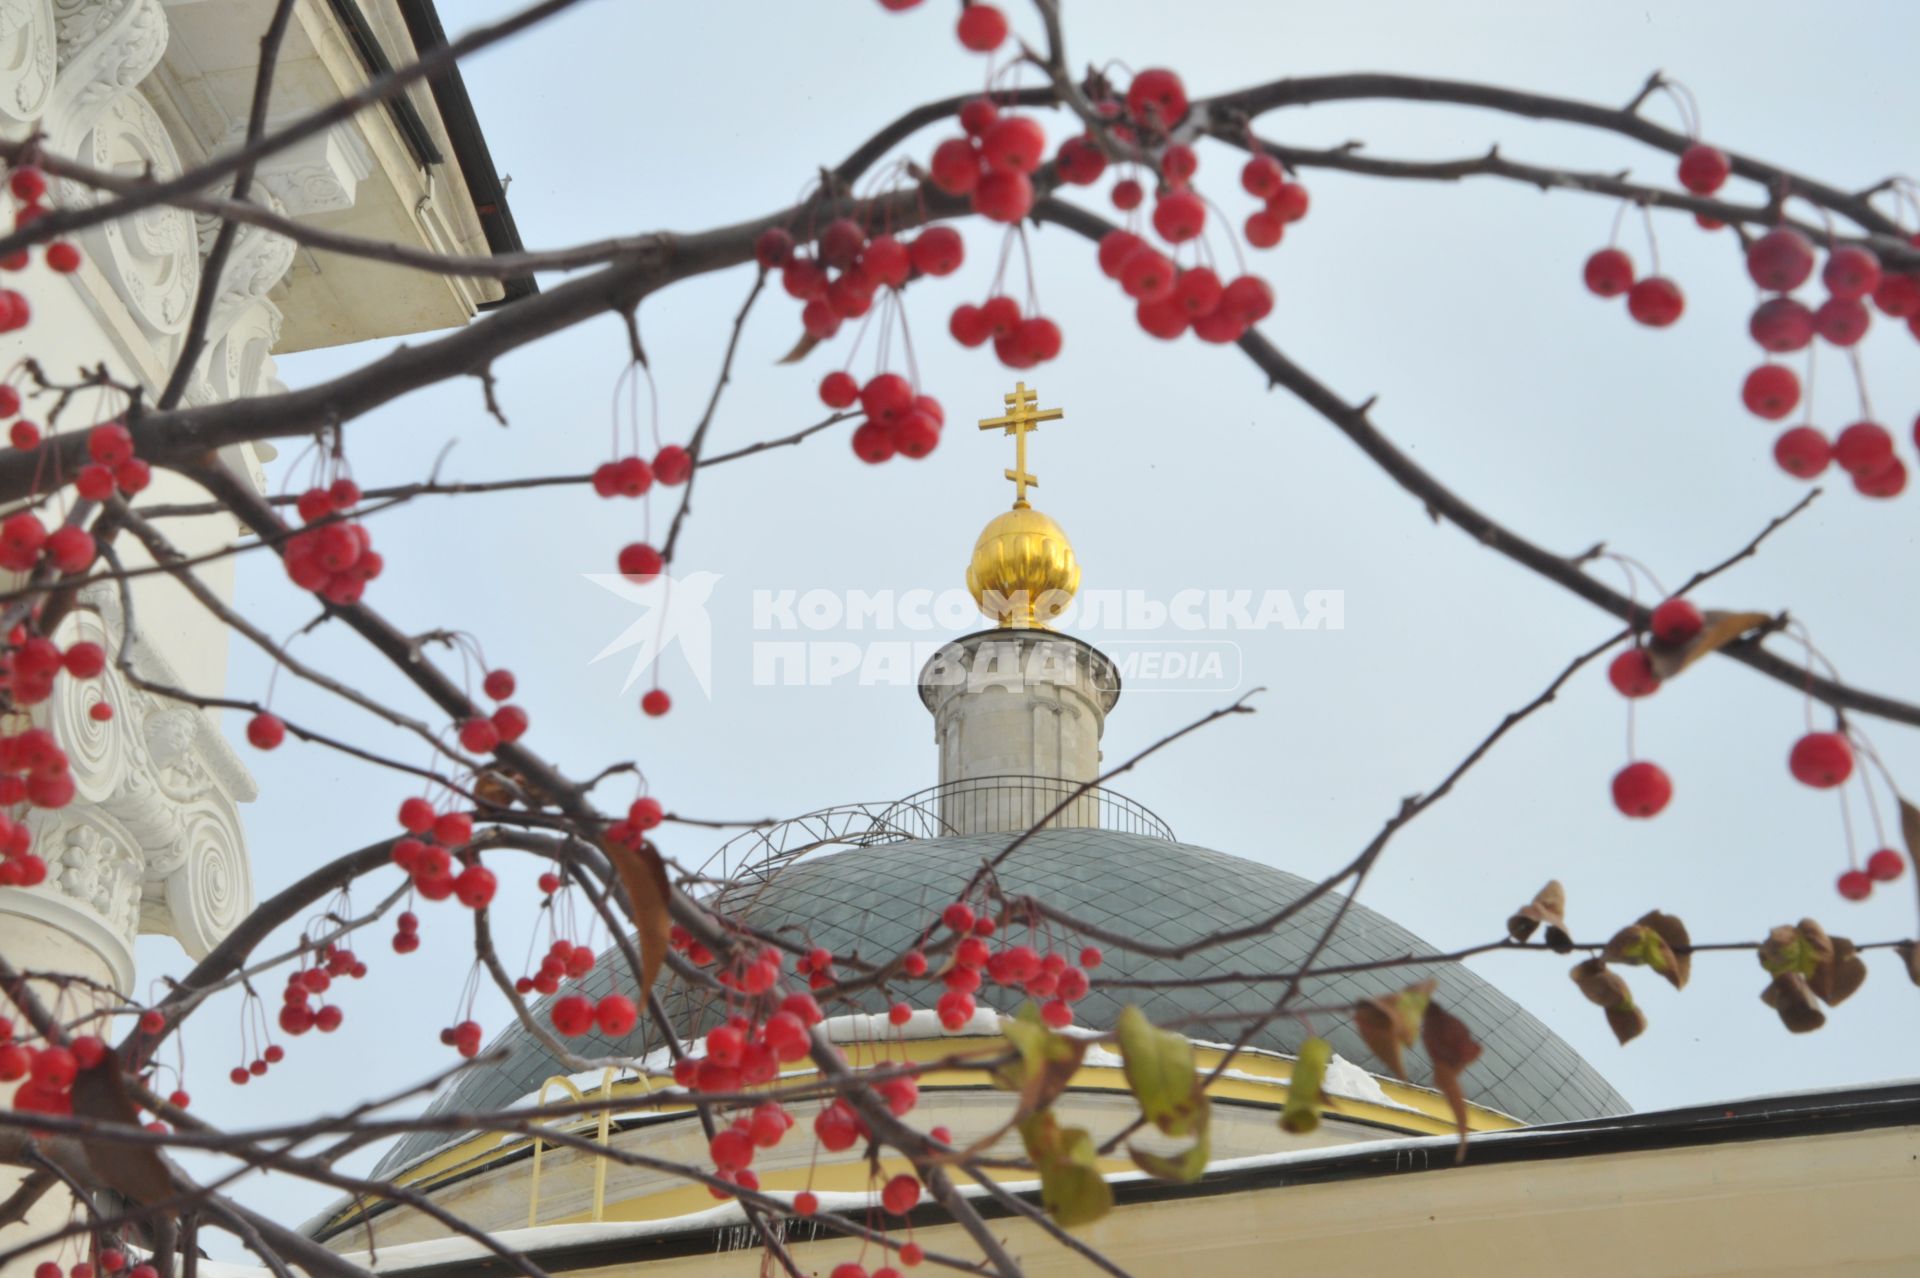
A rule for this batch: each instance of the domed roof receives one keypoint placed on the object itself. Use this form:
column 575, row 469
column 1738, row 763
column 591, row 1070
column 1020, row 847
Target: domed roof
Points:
column 875, row 900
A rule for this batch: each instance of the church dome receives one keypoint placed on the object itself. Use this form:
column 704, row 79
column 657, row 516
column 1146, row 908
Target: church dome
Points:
column 874, row 900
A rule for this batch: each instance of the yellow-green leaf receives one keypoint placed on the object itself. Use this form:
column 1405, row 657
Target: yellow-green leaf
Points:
column 1181, row 1167
column 1302, row 1112
column 1159, row 1068
column 1071, row 1187
column 1641, row 944
column 1048, row 1061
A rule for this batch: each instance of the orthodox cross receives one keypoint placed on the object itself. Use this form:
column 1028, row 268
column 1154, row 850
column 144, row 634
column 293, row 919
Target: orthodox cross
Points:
column 1020, row 418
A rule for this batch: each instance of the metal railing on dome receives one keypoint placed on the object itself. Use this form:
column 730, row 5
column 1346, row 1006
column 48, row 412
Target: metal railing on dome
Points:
column 940, row 811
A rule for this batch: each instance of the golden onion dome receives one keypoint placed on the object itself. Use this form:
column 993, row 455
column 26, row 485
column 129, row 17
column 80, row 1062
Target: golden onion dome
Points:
column 1023, row 572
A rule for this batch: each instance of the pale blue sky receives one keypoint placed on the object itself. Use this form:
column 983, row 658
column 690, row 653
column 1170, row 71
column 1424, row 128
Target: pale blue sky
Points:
column 1460, row 306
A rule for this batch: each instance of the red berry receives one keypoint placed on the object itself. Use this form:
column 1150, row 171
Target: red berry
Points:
column 1781, row 260
column 475, row 886
column 453, row 829
column 1781, row 324
column 958, row 917
column 1675, row 621
column 1080, row 161
column 499, row 684
column 1886, row 865
column 1163, row 318
column 109, row 444
column 886, row 397
column 1248, row 298
column 265, row 731
column 1821, row 759
column 1842, row 321
column 967, row 325
column 839, row 390
column 873, row 443
column 1851, row 272
column 84, row 660
column 911, row 1254
column 1000, row 315
column 956, row 166
column 646, row 812
column 1197, row 291
column 1655, row 301
column 938, row 250
column 28, row 184
column 773, row 247
column 1264, row 229
column 1641, row 789
column 1262, row 177
column 1888, row 481
column 982, row 28
column 1157, row 98
column 1179, row 215
column 656, row 702
column 672, row 465
column 640, row 562
column 1127, row 194
column 1863, row 448
column 1802, row 451
column 1147, row 275
column 94, row 482
column 841, row 241
column 917, row 434
column 479, row 736
column 900, row 1194
column 1015, row 144
column 23, row 434
column 1855, row 885
column 1178, row 164
column 1003, row 196
column 1056, row 1013
column 1771, row 391
column 899, row 1014
column 1609, row 273
column 805, row 1203
column 1632, row 674
column 1289, row 203
column 416, row 815
column 616, row 1015
column 1898, row 295
column 572, row 1015
column 977, row 116
column 1091, row 957
column 1703, row 168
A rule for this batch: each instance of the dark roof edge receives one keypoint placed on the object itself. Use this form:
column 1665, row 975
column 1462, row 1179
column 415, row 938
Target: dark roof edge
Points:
column 1764, row 1118
column 469, row 149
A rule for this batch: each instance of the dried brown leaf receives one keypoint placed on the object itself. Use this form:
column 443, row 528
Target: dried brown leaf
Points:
column 1790, row 996
column 1627, row 1022
column 801, row 349
column 1390, row 1025
column 1451, row 1047
column 1548, row 907
column 1719, row 630
column 1909, row 952
column 644, row 876
column 1601, row 984
column 136, row 1172
column 1836, row 980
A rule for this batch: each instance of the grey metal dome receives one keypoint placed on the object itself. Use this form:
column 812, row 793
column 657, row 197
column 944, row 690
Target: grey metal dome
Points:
column 875, row 901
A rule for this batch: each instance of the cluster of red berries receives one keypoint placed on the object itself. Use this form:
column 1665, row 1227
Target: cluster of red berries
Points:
column 19, row 865
column 563, row 961
column 33, row 768
column 733, row 1147
column 333, row 557
column 29, row 663
column 112, row 1261
column 463, row 1037
column 993, row 161
column 747, row 1052
column 1020, row 341
column 1654, row 300
column 1283, row 202
column 29, row 187
column 240, row 1075
column 431, row 865
column 483, row 734
column 113, row 468
column 1169, row 301
column 1779, row 262
column 614, row 1015
column 1824, row 760
column 23, row 433
column 633, row 476
column 841, row 277
column 1049, row 978
column 48, row 1070
column 1643, row 789
column 297, row 1016
column 643, row 814
column 898, row 420
column 406, row 932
